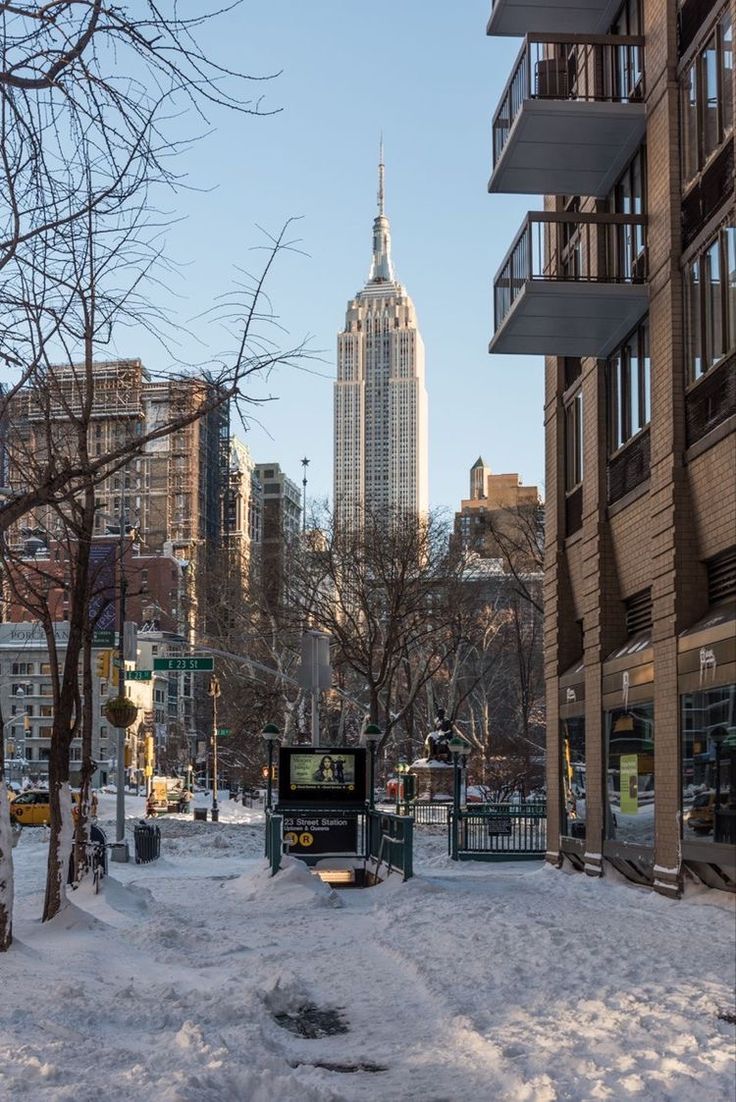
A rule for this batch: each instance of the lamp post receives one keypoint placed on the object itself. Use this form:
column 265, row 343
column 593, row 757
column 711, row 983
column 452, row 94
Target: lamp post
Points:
column 372, row 737
column 401, row 770
column 270, row 734
column 459, row 749
column 214, row 692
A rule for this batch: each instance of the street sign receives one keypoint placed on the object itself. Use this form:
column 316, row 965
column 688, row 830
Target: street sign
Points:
column 223, row 732
column 207, row 664
column 103, row 639
column 138, row 675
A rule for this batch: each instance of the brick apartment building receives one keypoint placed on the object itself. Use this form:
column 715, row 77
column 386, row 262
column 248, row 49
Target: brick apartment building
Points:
column 621, row 115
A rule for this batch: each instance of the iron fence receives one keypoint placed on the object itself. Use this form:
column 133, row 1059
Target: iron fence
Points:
column 501, row 831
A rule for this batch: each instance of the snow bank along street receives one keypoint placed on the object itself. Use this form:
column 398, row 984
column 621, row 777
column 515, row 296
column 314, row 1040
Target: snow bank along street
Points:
column 199, row 977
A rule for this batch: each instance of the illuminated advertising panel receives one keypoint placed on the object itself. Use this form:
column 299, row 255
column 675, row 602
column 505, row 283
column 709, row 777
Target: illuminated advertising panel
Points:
column 322, row 775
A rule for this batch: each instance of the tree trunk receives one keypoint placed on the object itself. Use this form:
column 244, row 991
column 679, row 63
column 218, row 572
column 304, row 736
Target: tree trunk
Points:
column 81, row 830
column 62, row 829
column 6, row 864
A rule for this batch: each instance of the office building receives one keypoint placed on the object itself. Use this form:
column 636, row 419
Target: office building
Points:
column 380, row 407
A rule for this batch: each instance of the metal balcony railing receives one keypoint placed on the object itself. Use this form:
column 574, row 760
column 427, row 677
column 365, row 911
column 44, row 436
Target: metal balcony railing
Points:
column 583, row 68
column 571, row 247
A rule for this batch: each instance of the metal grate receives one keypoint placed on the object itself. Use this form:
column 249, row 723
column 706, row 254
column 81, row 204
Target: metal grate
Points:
column 629, row 468
column 722, row 576
column 712, row 402
column 639, row 612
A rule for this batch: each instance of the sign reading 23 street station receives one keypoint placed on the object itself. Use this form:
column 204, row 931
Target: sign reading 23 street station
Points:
column 333, row 833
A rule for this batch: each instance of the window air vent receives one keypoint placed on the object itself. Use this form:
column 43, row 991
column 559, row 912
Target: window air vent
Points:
column 639, row 612
column 722, row 576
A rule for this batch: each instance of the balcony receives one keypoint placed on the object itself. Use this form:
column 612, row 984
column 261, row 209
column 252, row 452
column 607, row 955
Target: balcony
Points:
column 571, row 117
column 518, row 17
column 572, row 284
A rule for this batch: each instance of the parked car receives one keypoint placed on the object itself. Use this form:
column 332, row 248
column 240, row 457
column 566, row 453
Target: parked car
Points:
column 32, row 808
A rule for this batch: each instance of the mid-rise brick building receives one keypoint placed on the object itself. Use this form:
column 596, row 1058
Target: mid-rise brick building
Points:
column 621, row 115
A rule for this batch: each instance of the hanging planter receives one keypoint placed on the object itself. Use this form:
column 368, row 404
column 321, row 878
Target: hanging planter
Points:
column 121, row 711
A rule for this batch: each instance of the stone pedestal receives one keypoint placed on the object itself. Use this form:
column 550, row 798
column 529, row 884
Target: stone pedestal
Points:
column 434, row 779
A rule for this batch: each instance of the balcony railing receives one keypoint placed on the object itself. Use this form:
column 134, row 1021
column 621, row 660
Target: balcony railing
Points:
column 571, row 114
column 582, row 276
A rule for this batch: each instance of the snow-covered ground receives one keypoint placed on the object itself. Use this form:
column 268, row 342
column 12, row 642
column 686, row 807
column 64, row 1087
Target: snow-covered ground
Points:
column 179, row 982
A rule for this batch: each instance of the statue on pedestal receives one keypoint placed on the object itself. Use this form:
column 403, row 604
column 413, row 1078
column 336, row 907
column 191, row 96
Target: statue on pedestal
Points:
column 435, row 744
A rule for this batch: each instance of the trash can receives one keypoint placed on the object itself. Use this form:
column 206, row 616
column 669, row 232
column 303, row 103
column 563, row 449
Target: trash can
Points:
column 147, row 842
column 200, row 814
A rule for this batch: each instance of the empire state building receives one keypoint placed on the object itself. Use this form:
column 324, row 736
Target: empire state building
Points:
column 381, row 462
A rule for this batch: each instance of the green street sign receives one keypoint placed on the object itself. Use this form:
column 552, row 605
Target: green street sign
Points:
column 206, row 664
column 103, row 639
column 138, row 675
column 223, row 732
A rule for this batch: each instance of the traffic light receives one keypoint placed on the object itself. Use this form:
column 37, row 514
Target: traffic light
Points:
column 103, row 663
column 128, row 755
column 26, row 722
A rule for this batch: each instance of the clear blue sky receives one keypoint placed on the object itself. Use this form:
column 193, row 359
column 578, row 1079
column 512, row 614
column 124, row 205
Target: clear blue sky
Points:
column 423, row 72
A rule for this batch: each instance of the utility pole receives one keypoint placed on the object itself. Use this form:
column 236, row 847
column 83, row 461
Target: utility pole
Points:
column 214, row 692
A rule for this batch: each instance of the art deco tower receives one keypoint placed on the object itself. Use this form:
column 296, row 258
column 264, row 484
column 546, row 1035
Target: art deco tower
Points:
column 380, row 398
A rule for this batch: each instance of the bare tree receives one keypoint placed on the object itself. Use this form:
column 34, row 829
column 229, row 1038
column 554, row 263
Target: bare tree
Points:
column 387, row 593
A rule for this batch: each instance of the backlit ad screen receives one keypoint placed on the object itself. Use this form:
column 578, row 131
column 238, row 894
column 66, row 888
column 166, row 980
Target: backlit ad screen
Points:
column 322, row 775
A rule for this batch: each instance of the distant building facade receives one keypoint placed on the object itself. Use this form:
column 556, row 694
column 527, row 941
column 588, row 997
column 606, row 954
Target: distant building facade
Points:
column 501, row 516
column 280, row 527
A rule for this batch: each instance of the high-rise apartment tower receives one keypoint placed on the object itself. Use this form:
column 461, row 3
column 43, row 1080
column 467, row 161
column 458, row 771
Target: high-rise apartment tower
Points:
column 380, row 399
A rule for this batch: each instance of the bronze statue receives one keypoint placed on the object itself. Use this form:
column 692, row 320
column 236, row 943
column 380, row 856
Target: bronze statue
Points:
column 435, row 744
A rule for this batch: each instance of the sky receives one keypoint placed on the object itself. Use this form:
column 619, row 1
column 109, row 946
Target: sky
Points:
column 425, row 74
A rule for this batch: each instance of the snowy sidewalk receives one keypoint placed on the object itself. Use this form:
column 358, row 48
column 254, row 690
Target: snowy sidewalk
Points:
column 184, row 981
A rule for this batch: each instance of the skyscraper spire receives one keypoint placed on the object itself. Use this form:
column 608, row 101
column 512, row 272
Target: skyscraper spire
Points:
column 381, row 169
column 382, row 270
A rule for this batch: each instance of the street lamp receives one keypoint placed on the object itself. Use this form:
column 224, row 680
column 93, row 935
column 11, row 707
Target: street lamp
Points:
column 459, row 749
column 371, row 738
column 401, row 770
column 214, row 692
column 270, row 735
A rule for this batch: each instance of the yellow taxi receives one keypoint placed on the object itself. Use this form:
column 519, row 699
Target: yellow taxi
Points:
column 32, row 808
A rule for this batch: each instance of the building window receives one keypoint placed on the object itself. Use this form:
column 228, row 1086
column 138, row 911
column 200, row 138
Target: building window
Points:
column 710, row 303
column 630, row 774
column 706, row 98
column 708, row 764
column 574, row 442
column 629, row 197
column 629, row 388
column 573, row 777
column 20, row 668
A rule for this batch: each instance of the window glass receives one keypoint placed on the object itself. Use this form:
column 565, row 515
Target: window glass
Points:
column 712, row 286
column 730, row 257
column 694, row 320
column 629, row 388
column 726, row 64
column 574, row 442
column 573, row 777
column 630, row 774
column 708, row 764
column 709, row 102
column 689, row 97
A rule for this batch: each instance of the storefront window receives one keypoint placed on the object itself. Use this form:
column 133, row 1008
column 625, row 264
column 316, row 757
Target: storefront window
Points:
column 630, row 776
column 573, row 777
column 709, row 765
